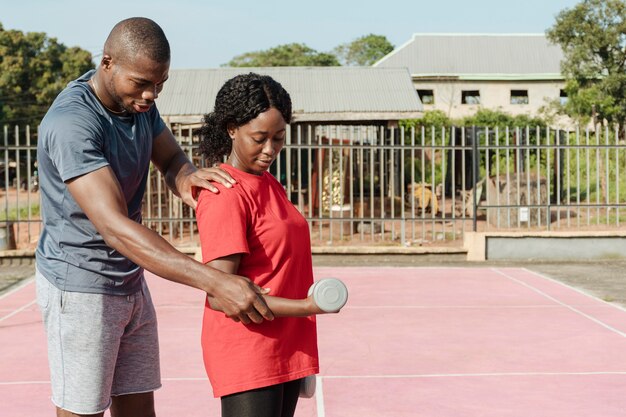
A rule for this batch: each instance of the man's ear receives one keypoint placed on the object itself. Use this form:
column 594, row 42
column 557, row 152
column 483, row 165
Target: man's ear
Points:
column 105, row 62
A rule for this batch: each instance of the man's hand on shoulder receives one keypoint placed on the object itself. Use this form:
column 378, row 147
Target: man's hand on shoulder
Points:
column 181, row 176
column 192, row 182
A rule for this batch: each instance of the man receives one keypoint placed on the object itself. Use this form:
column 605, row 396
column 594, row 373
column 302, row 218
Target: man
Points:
column 95, row 146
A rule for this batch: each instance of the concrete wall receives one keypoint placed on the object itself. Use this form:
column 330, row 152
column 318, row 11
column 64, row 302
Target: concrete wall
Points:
column 554, row 246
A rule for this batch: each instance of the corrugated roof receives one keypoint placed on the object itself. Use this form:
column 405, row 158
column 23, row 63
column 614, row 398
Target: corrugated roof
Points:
column 503, row 56
column 313, row 90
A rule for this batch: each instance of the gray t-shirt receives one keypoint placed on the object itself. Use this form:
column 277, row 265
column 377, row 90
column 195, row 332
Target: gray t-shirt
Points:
column 78, row 136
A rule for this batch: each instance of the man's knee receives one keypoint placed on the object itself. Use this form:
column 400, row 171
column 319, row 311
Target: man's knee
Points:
column 64, row 413
column 133, row 405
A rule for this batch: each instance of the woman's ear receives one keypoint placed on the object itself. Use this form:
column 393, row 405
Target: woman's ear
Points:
column 231, row 129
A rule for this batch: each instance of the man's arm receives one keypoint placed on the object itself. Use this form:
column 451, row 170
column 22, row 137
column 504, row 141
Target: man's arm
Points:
column 99, row 195
column 281, row 307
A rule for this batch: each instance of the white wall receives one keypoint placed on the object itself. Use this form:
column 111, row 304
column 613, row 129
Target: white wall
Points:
column 495, row 95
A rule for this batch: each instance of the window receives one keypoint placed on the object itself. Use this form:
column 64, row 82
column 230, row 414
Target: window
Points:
column 427, row 96
column 519, row 96
column 470, row 97
column 563, row 97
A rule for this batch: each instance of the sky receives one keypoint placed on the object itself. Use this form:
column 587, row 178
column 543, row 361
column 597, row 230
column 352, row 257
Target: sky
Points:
column 207, row 33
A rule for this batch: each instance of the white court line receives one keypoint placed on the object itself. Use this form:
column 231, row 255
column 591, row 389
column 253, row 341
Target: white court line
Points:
column 24, row 382
column 578, row 290
column 18, row 287
column 319, row 396
column 575, row 310
column 439, row 307
column 319, row 389
column 47, row 382
column 498, row 374
column 186, row 379
column 441, row 268
column 22, row 308
column 397, row 307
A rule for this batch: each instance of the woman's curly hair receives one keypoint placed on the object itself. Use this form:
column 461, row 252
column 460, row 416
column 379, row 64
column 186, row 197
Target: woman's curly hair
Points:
column 241, row 99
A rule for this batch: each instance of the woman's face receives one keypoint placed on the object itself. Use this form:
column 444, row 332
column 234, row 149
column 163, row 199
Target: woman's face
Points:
column 257, row 143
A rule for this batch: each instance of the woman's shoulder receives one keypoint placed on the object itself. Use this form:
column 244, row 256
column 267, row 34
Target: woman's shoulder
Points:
column 238, row 195
column 248, row 188
column 226, row 194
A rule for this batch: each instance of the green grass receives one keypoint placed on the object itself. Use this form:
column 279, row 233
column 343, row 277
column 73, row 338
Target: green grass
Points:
column 602, row 218
column 12, row 214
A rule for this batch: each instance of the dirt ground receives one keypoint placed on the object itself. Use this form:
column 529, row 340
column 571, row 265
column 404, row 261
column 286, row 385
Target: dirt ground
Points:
column 11, row 275
column 603, row 279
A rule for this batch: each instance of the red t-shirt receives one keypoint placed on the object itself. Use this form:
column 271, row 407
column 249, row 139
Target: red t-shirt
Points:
column 256, row 219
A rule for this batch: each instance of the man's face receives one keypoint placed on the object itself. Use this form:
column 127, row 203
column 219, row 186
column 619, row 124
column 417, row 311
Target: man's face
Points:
column 135, row 84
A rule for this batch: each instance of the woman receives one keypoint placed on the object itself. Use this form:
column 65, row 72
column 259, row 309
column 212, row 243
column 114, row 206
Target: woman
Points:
column 254, row 230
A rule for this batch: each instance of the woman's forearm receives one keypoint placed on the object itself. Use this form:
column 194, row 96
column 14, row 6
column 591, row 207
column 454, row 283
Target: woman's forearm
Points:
column 287, row 307
column 280, row 306
column 283, row 307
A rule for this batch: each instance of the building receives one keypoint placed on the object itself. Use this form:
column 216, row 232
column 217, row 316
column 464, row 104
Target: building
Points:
column 461, row 73
column 320, row 95
column 333, row 109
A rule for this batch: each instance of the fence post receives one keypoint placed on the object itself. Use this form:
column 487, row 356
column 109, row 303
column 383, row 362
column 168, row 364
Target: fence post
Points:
column 475, row 159
column 7, row 235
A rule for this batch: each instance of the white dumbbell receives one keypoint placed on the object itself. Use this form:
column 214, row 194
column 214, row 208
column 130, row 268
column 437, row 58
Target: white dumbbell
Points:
column 330, row 294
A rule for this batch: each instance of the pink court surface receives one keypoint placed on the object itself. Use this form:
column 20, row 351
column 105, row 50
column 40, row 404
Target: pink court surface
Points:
column 431, row 342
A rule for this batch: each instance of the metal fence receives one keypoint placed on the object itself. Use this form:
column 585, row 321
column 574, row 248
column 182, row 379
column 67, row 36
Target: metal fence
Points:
column 377, row 185
column 20, row 223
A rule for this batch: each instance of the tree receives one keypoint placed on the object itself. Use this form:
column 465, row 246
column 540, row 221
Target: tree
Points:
column 364, row 51
column 592, row 35
column 431, row 119
column 33, row 70
column 498, row 118
column 289, row 55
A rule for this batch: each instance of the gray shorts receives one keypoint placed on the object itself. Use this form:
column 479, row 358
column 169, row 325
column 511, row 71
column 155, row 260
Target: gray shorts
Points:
column 99, row 346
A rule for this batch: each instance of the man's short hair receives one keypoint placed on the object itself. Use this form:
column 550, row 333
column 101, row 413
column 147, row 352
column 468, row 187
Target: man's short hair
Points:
column 135, row 36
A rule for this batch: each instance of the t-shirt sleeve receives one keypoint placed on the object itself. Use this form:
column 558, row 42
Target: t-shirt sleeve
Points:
column 74, row 143
column 156, row 121
column 223, row 221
